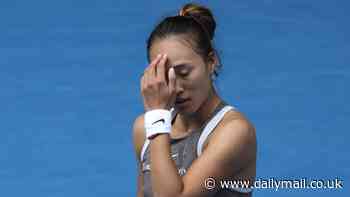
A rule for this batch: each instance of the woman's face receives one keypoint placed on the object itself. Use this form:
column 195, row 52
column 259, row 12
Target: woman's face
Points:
column 193, row 82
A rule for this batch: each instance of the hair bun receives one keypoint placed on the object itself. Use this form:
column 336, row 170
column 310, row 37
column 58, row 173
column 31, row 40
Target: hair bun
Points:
column 202, row 15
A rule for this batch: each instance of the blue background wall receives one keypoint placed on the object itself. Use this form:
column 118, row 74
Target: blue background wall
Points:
column 69, row 90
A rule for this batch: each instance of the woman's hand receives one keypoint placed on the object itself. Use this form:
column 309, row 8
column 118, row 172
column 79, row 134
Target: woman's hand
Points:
column 157, row 91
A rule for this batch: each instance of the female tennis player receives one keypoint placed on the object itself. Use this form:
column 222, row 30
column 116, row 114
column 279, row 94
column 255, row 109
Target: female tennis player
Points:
column 189, row 141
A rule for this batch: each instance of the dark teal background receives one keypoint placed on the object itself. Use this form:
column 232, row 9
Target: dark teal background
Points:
column 69, row 90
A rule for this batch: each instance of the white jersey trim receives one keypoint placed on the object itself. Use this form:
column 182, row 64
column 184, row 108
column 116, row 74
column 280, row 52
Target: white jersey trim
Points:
column 210, row 127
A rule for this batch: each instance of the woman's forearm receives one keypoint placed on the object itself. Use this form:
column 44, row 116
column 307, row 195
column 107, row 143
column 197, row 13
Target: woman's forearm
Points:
column 164, row 174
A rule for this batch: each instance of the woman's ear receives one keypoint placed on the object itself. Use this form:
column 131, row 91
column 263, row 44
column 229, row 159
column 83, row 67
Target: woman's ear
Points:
column 213, row 61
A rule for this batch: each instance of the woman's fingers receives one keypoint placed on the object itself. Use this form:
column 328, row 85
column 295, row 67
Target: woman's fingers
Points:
column 172, row 81
column 161, row 69
column 155, row 90
column 153, row 66
column 145, row 80
column 149, row 72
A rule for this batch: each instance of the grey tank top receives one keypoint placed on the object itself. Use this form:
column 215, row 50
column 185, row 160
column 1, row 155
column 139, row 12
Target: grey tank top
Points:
column 183, row 150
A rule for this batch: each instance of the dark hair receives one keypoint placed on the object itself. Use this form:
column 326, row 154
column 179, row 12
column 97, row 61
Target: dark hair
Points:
column 195, row 23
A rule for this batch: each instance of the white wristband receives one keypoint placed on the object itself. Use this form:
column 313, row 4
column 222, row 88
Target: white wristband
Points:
column 157, row 121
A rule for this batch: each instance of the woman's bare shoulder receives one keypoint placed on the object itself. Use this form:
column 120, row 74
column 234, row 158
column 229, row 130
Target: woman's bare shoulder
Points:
column 237, row 119
column 138, row 134
column 238, row 133
column 236, row 124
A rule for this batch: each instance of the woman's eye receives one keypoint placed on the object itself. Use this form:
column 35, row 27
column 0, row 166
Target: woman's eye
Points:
column 183, row 70
column 183, row 74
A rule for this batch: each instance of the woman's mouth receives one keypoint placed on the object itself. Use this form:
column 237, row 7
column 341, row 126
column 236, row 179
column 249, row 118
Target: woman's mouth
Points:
column 181, row 102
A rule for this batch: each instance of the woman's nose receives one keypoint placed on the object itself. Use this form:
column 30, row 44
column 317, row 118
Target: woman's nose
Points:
column 179, row 87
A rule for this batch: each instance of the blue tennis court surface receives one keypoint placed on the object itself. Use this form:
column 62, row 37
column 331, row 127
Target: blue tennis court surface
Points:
column 69, row 90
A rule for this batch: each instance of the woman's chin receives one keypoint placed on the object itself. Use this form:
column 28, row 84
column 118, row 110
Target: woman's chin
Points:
column 185, row 107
